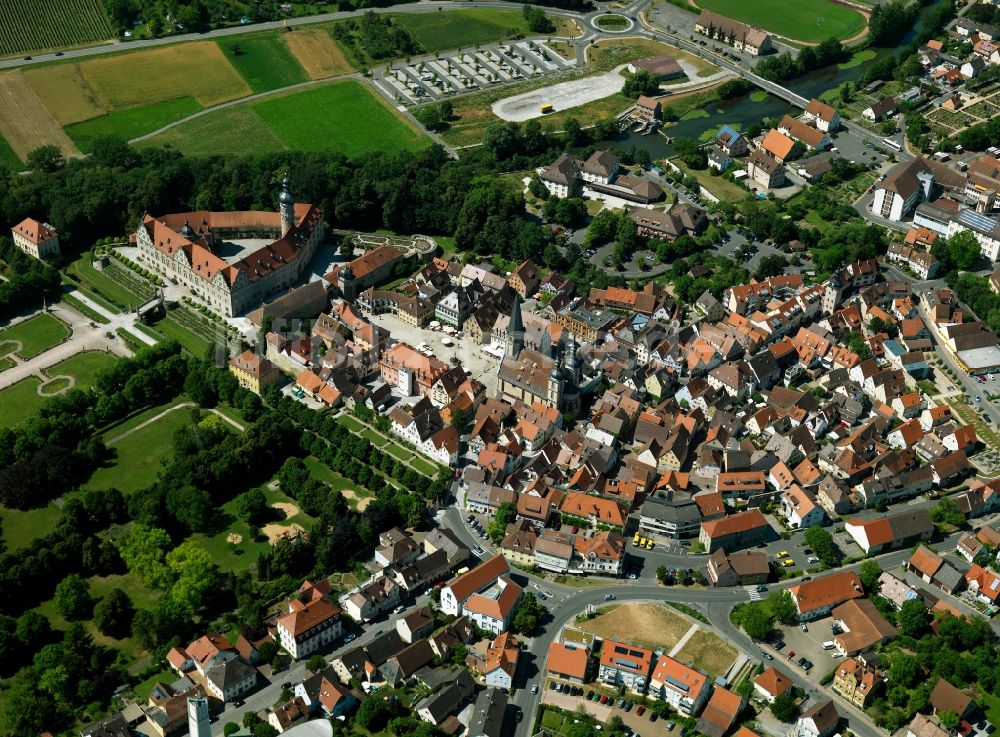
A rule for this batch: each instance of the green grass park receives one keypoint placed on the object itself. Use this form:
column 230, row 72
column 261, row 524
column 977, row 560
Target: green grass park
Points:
column 19, row 401
column 83, row 367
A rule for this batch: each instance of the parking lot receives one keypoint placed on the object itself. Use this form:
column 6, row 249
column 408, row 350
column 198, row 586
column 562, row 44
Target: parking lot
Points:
column 637, row 718
column 808, row 644
column 434, row 78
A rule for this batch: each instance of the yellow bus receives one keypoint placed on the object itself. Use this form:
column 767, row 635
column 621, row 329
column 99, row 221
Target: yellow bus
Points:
column 547, row 108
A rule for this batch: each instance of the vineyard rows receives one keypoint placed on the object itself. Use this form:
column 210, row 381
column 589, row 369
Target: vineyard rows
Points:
column 35, row 25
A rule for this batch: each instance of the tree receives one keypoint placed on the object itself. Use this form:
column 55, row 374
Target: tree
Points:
column 869, row 574
column 230, row 728
column 316, row 663
column 785, row 708
column 757, row 621
column 537, row 21
column 536, row 186
column 946, row 513
column 661, row 573
column 73, row 599
column 958, row 253
column 194, row 574
column 949, row 719
column 113, row 614
column 144, row 550
column 267, row 651
column 192, row 507
column 688, row 151
column 497, row 528
column 529, row 615
column 821, row 541
column 373, row 714
column 47, row 158
column 640, row 83
column 29, row 709
column 913, row 618
column 252, row 507
column 771, row 266
column 782, row 606
column 346, row 248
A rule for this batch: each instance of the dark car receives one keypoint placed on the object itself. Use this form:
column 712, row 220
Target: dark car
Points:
column 768, row 656
column 519, row 715
column 59, row 53
column 552, row 685
column 628, row 706
column 286, row 684
column 653, row 716
column 590, row 695
column 778, row 645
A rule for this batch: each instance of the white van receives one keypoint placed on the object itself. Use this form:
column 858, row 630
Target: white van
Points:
column 829, row 645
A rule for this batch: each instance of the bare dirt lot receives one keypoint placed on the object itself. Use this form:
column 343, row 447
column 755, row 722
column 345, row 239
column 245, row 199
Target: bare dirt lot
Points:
column 650, row 625
column 561, row 96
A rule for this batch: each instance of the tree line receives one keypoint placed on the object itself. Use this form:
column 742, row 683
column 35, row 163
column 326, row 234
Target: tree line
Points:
column 26, row 280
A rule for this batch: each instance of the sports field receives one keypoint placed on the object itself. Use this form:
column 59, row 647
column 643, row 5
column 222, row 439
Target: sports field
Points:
column 264, row 62
column 334, row 117
column 32, row 25
column 461, row 28
column 25, row 123
column 317, row 52
column 809, row 22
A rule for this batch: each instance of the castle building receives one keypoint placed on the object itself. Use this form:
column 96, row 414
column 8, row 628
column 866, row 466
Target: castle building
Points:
column 528, row 375
column 36, row 239
column 184, row 248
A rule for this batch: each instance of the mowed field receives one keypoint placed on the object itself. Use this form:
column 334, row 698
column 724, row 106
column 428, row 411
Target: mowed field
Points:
column 810, row 22
column 25, row 123
column 33, row 25
column 336, row 117
column 317, row 52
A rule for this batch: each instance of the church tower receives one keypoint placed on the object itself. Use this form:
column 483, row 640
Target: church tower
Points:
column 198, row 718
column 515, row 330
column 286, row 204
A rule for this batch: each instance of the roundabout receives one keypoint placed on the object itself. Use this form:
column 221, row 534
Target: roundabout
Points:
column 612, row 23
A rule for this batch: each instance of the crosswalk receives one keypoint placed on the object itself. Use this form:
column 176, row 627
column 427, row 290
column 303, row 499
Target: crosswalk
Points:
column 753, row 593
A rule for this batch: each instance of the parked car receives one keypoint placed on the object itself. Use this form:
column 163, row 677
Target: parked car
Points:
column 670, row 726
column 604, row 699
column 640, row 711
column 778, row 645
column 767, row 655
column 534, row 688
column 804, row 627
column 590, row 695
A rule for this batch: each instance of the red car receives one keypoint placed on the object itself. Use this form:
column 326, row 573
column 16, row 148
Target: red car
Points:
column 640, row 711
column 575, row 529
column 604, row 699
column 791, row 655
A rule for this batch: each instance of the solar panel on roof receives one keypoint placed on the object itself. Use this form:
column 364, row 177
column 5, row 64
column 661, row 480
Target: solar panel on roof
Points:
column 977, row 220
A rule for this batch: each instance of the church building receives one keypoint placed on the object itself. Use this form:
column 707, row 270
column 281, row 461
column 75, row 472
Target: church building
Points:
column 551, row 377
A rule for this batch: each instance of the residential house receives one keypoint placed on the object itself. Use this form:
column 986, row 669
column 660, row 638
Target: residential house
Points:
column 307, row 627
column 924, row 726
column 800, row 509
column 501, row 661
column 488, row 713
column 864, row 628
column 743, row 568
column 898, row 530
column 568, row 662
column 766, row 170
column 817, row 598
column 857, row 681
column 823, row 116
column 253, row 372
column 771, row 684
column 415, row 625
column 721, row 712
column 736, row 532
column 625, row 665
column 820, row 720
column 946, row 697
column 935, row 570
column 485, row 594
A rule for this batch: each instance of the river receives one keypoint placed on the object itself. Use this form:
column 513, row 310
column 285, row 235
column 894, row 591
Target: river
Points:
column 743, row 112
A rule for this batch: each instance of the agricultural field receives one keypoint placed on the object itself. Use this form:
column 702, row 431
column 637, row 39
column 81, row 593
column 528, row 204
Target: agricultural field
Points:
column 64, row 92
column 198, row 69
column 334, row 117
column 461, row 28
column 810, row 22
column 235, row 130
column 25, row 123
column 317, row 52
column 131, row 123
column 34, row 25
column 263, row 61
column 33, row 336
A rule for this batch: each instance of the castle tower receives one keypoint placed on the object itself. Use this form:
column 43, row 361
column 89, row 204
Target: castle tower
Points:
column 573, row 361
column 515, row 330
column 286, row 205
column 198, row 720
column 347, row 284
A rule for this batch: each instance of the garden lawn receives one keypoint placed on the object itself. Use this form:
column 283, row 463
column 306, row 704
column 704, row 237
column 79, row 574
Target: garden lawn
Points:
column 84, row 367
column 719, row 186
column 193, row 343
column 650, row 625
column 92, row 280
column 143, row 688
column 399, row 452
column 36, row 335
column 19, row 401
column 808, row 22
column 21, row 527
column 373, row 437
column 6, row 363
column 461, row 28
column 131, row 123
column 101, row 586
column 424, row 466
column 263, row 61
column 338, row 117
column 351, row 423
column 136, row 467
column 707, row 652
